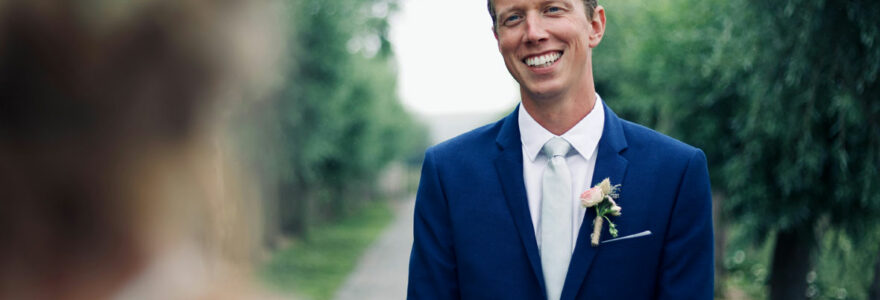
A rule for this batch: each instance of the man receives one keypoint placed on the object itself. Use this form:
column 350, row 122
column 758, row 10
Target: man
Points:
column 498, row 214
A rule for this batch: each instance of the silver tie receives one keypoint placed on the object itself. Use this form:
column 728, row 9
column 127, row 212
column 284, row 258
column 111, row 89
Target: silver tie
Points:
column 556, row 215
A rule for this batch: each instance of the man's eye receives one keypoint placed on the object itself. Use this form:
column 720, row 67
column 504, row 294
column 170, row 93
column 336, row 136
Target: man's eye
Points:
column 553, row 9
column 511, row 18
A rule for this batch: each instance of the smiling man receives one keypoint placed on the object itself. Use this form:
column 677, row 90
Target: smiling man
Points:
column 509, row 210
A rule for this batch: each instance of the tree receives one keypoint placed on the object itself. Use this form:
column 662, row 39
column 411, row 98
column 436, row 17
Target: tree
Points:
column 810, row 129
column 337, row 122
column 784, row 98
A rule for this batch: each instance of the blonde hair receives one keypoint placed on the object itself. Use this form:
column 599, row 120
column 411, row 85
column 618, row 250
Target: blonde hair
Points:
column 111, row 138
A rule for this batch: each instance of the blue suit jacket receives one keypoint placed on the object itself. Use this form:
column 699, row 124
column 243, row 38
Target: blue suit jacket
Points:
column 474, row 237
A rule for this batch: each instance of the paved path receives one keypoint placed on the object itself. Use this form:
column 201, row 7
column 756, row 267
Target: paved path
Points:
column 382, row 271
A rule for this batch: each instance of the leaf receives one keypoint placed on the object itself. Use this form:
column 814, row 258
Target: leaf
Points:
column 612, row 228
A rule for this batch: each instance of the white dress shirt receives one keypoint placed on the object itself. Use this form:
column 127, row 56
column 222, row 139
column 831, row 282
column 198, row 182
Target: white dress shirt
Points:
column 584, row 139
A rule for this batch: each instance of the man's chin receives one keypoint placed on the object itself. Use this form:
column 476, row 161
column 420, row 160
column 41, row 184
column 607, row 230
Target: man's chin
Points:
column 541, row 91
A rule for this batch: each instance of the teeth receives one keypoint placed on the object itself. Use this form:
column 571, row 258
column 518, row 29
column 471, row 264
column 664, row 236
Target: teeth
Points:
column 543, row 60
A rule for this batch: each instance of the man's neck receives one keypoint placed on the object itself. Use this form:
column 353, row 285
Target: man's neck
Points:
column 559, row 114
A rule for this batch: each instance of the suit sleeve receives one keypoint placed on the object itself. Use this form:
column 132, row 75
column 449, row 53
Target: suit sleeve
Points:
column 687, row 265
column 432, row 265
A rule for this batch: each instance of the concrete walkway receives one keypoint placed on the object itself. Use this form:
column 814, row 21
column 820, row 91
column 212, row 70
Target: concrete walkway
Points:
column 382, row 271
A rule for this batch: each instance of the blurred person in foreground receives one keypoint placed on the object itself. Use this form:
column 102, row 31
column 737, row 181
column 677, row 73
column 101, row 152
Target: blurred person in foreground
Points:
column 112, row 177
column 561, row 199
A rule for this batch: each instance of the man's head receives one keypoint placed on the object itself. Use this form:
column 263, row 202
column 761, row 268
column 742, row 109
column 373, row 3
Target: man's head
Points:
column 589, row 4
column 547, row 45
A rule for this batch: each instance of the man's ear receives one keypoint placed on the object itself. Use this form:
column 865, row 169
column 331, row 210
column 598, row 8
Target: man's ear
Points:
column 597, row 25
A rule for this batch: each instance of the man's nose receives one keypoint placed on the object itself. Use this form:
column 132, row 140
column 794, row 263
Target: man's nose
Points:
column 535, row 31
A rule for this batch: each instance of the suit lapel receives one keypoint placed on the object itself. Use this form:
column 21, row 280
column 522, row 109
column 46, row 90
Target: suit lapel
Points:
column 509, row 165
column 609, row 164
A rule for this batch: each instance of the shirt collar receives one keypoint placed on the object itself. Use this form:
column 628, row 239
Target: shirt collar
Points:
column 583, row 137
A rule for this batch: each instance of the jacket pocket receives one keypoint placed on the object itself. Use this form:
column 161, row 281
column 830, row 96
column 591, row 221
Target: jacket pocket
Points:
column 631, row 236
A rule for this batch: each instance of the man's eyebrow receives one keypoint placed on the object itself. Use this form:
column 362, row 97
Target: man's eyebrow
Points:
column 512, row 8
column 561, row 2
column 517, row 7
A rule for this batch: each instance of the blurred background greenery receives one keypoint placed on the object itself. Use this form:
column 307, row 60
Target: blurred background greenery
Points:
column 336, row 129
column 783, row 96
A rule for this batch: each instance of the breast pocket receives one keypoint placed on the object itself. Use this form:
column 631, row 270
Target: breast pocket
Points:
column 645, row 233
column 636, row 249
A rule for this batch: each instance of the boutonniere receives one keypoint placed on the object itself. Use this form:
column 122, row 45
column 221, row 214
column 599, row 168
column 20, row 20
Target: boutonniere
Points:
column 602, row 197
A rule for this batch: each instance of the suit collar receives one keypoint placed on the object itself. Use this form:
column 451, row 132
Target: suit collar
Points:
column 508, row 136
column 612, row 134
column 611, row 164
column 509, row 165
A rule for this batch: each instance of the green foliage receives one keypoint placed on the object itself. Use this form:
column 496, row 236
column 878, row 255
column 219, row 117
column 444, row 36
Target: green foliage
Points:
column 841, row 268
column 323, row 143
column 746, row 264
column 783, row 96
column 337, row 122
column 316, row 268
column 838, row 274
column 809, row 129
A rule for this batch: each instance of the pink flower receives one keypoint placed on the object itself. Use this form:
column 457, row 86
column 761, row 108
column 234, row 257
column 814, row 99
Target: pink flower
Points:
column 591, row 197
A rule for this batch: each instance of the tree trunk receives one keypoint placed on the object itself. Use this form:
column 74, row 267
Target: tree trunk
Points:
column 271, row 217
column 297, row 209
column 791, row 263
column 286, row 209
column 874, row 293
column 306, row 212
column 720, row 241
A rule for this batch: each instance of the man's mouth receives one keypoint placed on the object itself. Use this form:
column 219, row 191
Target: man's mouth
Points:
column 544, row 60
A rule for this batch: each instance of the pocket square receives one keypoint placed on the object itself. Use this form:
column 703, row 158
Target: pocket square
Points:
column 631, row 236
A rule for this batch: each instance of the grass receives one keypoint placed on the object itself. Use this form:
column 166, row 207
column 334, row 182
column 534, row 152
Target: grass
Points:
column 841, row 269
column 317, row 267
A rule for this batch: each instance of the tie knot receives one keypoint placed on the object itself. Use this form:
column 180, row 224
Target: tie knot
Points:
column 556, row 146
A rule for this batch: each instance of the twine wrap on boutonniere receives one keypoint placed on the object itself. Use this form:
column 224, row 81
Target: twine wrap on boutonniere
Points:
column 602, row 197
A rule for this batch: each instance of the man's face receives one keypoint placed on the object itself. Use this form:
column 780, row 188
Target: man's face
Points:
column 546, row 44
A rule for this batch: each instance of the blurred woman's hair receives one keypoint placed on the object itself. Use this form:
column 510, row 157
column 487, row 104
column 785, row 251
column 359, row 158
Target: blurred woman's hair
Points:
column 114, row 165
